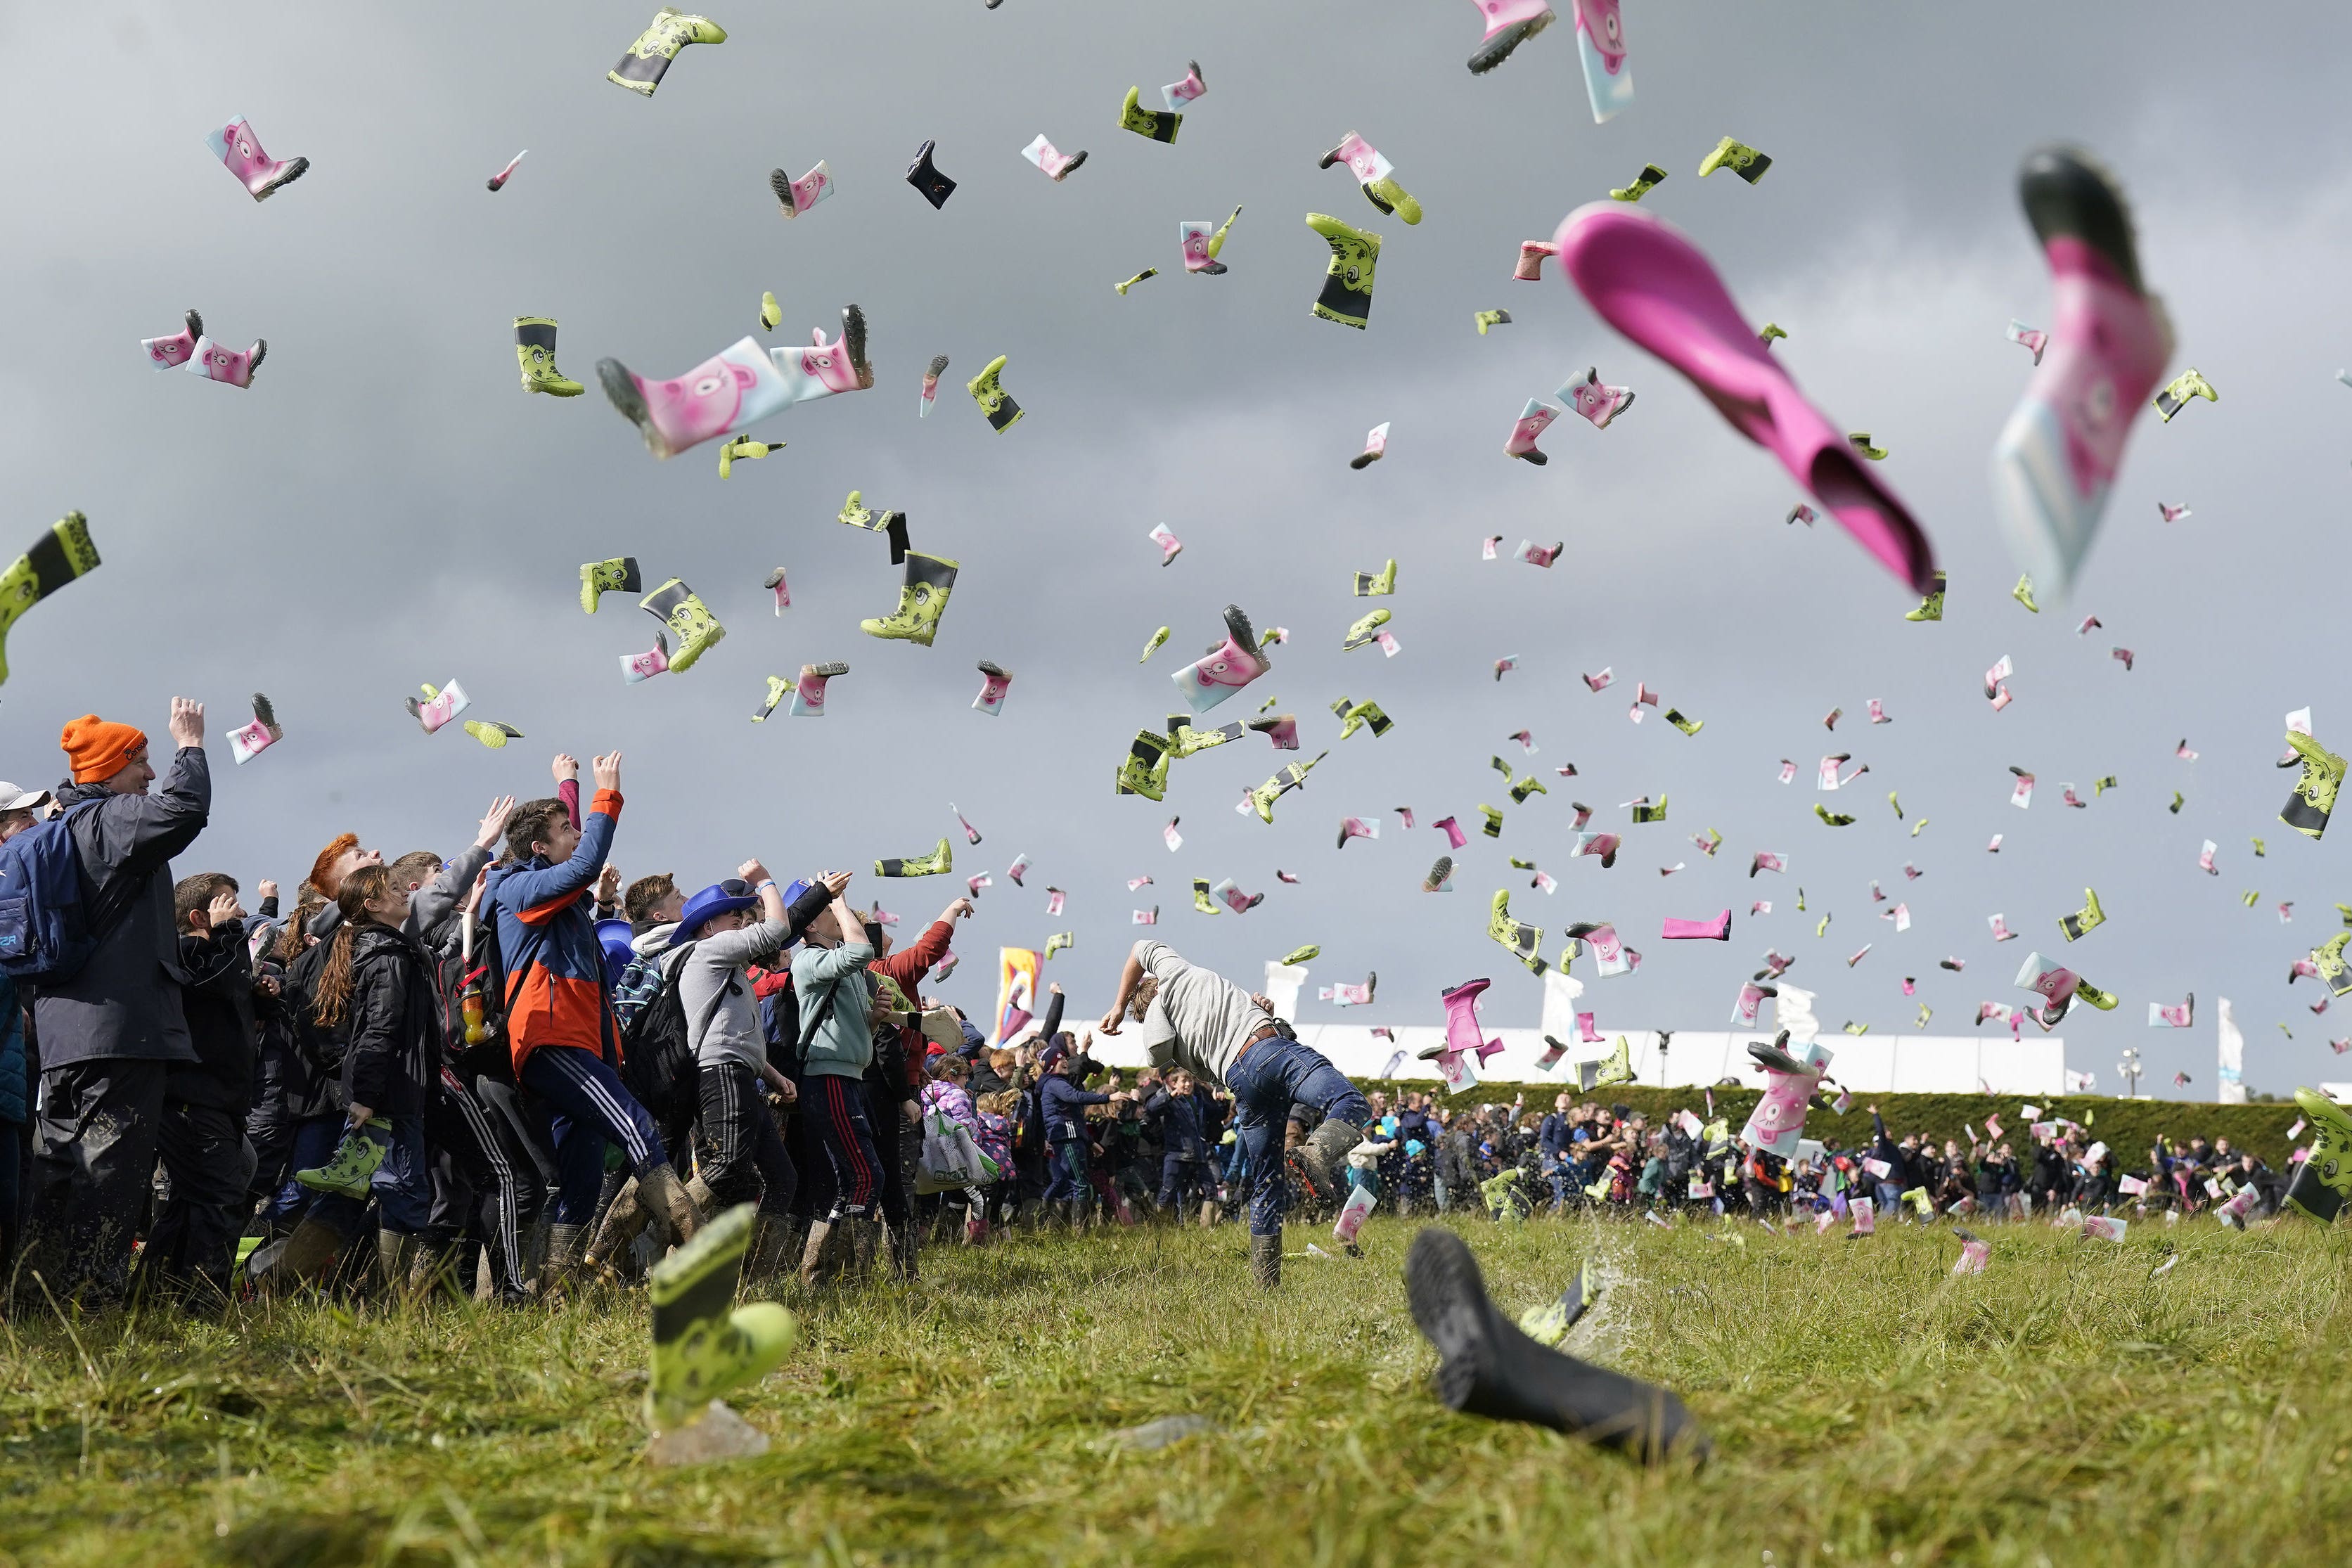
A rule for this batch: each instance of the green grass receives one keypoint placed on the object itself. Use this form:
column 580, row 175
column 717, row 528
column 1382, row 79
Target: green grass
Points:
column 1866, row 1406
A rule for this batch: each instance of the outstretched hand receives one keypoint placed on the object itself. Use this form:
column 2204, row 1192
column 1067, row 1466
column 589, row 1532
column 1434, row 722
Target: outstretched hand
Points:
column 187, row 722
column 494, row 823
column 607, row 770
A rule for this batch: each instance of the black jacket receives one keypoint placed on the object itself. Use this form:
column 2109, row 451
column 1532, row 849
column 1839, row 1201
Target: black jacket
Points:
column 125, row 1002
column 394, row 1024
column 217, row 1001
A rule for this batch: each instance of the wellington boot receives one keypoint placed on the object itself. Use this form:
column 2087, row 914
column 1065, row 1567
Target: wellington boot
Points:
column 906, row 1252
column 938, row 863
column 535, row 349
column 867, row 1248
column 813, row 1250
column 1488, row 1367
column 693, row 627
column 2322, row 1182
column 303, row 1255
column 922, row 600
column 995, row 403
column 1347, row 296
column 55, row 559
column 625, row 1219
column 701, row 1349
column 356, row 1161
column 1208, row 1213
column 642, row 67
column 1265, row 1262
column 598, row 578
column 771, row 1238
column 1324, row 1157
column 395, row 1254
column 675, row 1216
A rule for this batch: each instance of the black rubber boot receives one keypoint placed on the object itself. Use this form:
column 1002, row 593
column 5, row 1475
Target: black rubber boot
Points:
column 1487, row 1367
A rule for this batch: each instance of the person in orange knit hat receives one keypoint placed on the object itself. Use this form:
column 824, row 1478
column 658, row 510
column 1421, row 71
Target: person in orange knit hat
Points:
column 110, row 1031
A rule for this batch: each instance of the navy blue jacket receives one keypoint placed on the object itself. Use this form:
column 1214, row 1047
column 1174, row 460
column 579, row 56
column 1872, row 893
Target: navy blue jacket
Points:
column 1178, row 1116
column 1064, row 1104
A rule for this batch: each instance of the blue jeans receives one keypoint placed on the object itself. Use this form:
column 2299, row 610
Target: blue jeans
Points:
column 402, row 1186
column 1270, row 1077
column 1888, row 1201
column 585, row 1104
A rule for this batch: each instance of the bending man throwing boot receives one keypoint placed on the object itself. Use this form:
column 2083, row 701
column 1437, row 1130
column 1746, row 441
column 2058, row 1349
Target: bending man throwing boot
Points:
column 1196, row 1019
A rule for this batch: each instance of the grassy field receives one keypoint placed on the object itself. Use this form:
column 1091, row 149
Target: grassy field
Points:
column 2063, row 1408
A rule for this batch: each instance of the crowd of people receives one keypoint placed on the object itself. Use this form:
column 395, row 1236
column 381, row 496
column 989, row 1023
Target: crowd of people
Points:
column 510, row 1071
column 1587, row 1154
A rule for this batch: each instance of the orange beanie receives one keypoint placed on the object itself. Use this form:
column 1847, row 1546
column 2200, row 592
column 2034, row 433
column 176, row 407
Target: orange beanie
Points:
column 98, row 748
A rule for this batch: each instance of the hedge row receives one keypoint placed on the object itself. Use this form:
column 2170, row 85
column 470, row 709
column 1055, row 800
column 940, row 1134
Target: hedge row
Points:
column 2129, row 1126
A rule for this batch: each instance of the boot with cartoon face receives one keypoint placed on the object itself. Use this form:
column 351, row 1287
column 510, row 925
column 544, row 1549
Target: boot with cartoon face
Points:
column 219, row 362
column 796, row 197
column 598, row 578
column 1227, row 667
column 179, row 349
column 1509, row 24
column 642, row 67
column 996, row 405
column 237, row 147
column 535, row 350
column 922, row 600
column 1534, row 420
column 1595, row 402
column 996, row 680
column 1154, row 124
column 690, row 620
column 808, row 695
column 1347, row 296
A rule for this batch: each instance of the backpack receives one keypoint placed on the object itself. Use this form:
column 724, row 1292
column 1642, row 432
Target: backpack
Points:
column 657, row 1060
column 50, row 924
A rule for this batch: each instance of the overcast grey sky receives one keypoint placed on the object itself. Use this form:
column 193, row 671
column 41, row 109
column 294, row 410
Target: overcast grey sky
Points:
column 385, row 506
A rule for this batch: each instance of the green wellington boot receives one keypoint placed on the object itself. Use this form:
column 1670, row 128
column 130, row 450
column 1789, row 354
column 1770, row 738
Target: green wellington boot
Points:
column 59, row 556
column 689, row 621
column 939, row 862
column 922, row 600
column 702, row 1350
column 598, row 578
column 535, row 349
column 2322, row 1182
column 355, row 1160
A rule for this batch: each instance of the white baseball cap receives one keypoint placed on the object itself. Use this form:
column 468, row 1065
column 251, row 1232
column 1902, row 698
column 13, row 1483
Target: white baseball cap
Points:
column 13, row 798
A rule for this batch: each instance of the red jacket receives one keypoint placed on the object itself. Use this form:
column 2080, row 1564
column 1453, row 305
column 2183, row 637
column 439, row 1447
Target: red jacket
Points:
column 908, row 967
column 556, row 993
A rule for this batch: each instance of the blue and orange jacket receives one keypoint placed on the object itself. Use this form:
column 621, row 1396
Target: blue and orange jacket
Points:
column 555, row 986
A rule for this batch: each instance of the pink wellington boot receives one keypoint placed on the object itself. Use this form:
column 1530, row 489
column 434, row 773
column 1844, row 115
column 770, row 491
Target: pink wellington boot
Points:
column 440, row 707
column 2108, row 340
column 236, row 145
column 641, row 667
column 1509, row 24
column 1751, row 1002
column 1534, row 420
column 1531, row 260
column 1053, row 163
column 1597, row 402
column 995, row 681
column 1464, row 1036
column 796, row 197
column 1194, row 236
column 1224, row 669
column 216, row 362
column 1600, row 45
column 1649, row 281
column 1282, row 731
column 736, row 387
column 1717, row 929
column 1779, row 1120
column 2055, row 982
column 808, row 692
column 179, row 349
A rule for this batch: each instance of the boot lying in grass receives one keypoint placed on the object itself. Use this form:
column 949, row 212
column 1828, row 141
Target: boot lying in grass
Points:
column 1488, row 1367
column 703, row 1346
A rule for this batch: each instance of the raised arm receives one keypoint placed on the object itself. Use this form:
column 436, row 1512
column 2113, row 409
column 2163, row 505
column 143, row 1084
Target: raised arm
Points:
column 535, row 896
